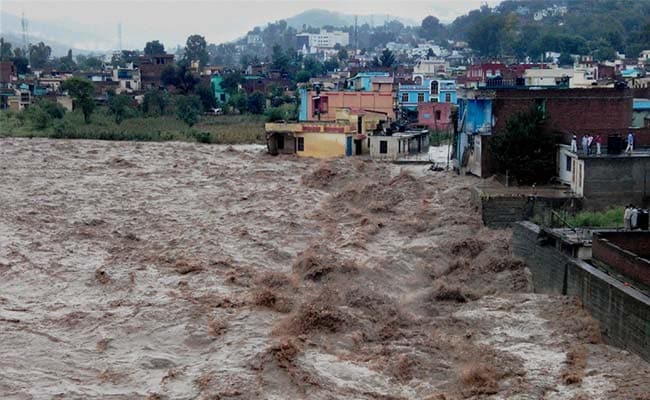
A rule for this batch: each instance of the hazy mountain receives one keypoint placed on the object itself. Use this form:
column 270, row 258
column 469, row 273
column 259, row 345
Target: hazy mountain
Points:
column 60, row 37
column 318, row 18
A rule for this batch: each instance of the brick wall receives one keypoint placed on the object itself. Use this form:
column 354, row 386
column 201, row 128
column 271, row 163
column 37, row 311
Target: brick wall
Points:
column 581, row 111
column 623, row 313
column 604, row 111
column 623, row 253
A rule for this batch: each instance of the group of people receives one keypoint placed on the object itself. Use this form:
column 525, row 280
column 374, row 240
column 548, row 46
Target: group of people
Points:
column 630, row 216
column 587, row 141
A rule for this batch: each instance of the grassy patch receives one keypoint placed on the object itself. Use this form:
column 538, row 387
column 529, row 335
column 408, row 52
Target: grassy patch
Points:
column 223, row 129
column 611, row 218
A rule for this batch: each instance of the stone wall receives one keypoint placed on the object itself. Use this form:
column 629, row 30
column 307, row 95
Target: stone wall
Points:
column 623, row 312
column 615, row 181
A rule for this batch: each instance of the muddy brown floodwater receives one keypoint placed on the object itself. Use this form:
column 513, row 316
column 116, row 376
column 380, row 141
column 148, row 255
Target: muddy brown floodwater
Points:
column 186, row 271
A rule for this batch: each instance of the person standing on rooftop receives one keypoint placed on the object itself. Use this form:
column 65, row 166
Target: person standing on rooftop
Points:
column 630, row 143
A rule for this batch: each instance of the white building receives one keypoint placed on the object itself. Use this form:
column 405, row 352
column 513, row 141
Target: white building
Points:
column 314, row 42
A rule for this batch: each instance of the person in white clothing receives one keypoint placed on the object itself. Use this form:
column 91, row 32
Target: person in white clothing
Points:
column 627, row 217
column 630, row 143
column 574, row 143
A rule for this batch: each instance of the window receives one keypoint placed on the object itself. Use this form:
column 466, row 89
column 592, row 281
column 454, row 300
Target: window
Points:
column 437, row 115
column 568, row 163
column 420, row 97
column 405, row 97
column 383, row 147
column 488, row 72
column 301, row 144
column 222, row 97
column 447, row 97
column 434, row 87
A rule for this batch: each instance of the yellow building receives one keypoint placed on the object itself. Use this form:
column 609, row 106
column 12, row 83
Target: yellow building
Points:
column 346, row 136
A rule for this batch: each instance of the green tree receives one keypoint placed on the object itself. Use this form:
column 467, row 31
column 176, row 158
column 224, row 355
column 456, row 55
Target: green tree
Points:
column 169, row 75
column 125, row 57
column 155, row 102
column 181, row 77
column 153, row 48
column 342, row 55
column 119, row 105
column 565, row 59
column 206, row 95
column 38, row 117
column 231, row 82
column 52, row 108
column 303, row 76
column 188, row 109
column 21, row 64
column 39, row 55
column 81, row 91
column 89, row 63
column 386, row 59
column 239, row 102
column 5, row 50
column 280, row 60
column 492, row 35
column 196, row 50
column 256, row 103
column 431, row 28
column 525, row 150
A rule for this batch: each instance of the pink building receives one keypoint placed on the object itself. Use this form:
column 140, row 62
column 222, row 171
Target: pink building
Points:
column 436, row 116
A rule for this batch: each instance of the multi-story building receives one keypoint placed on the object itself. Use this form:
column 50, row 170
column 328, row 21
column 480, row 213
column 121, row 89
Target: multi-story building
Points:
column 314, row 42
column 151, row 67
column 483, row 114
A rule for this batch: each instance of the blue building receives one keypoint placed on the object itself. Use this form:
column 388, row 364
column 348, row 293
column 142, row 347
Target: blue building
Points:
column 363, row 80
column 426, row 90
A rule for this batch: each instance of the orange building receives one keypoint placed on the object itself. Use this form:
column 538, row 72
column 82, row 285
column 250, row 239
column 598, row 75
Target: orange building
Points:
column 323, row 105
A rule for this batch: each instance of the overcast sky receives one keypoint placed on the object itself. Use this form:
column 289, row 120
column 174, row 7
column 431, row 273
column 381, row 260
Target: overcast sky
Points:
column 218, row 21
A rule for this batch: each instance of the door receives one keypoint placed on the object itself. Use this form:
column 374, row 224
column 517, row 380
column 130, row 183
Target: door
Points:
column 358, row 147
column 348, row 146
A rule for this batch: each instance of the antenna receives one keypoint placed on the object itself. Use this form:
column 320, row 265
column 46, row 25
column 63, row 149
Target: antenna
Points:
column 24, row 25
column 119, row 36
column 356, row 33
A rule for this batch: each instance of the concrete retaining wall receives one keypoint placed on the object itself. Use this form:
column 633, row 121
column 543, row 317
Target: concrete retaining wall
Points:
column 504, row 210
column 622, row 311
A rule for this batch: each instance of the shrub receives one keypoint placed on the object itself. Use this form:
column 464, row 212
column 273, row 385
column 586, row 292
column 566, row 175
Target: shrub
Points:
column 275, row 114
column 188, row 109
column 38, row 117
column 55, row 110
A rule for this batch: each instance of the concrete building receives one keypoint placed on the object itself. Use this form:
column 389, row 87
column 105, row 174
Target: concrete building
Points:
column 483, row 113
column 436, row 116
column 348, row 135
column 323, row 105
column 641, row 113
column 151, row 67
column 219, row 93
column 313, row 42
column 611, row 180
column 128, row 79
column 431, row 67
column 371, row 81
column 398, row 145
